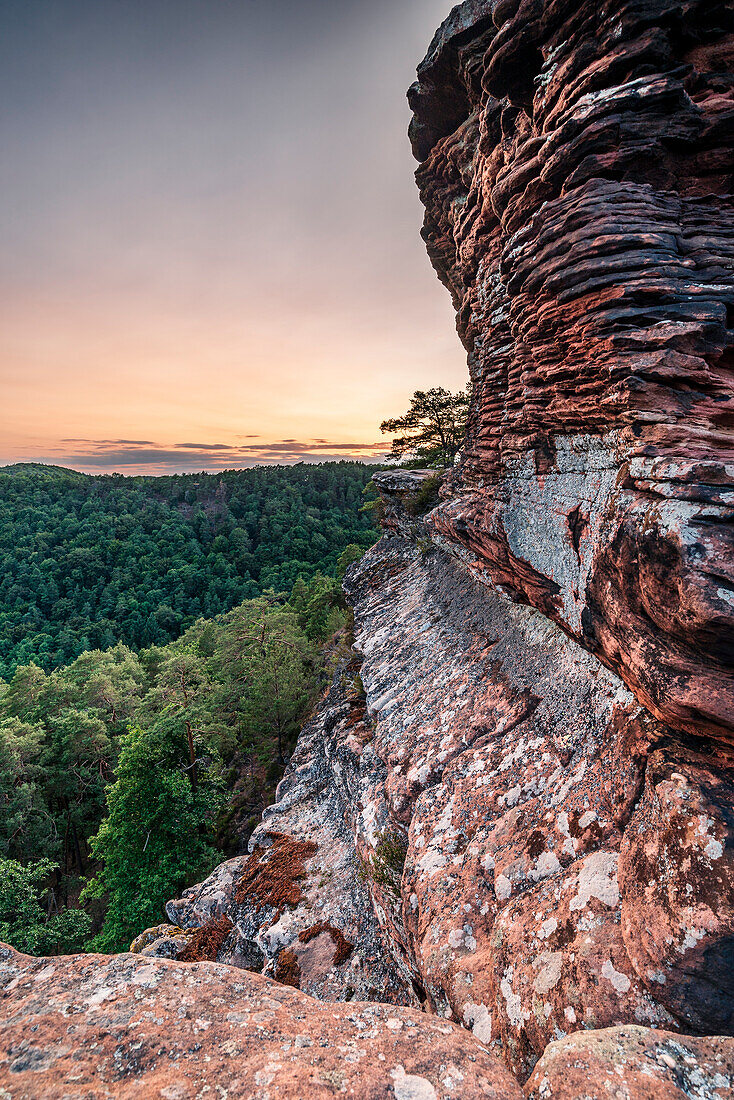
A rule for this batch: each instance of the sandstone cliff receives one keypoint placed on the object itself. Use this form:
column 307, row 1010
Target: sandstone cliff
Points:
column 514, row 809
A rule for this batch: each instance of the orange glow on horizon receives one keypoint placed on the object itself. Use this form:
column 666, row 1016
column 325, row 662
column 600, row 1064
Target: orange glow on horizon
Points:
column 85, row 391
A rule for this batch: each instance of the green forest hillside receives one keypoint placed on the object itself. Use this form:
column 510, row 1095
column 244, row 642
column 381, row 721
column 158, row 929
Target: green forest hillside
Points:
column 126, row 776
column 89, row 561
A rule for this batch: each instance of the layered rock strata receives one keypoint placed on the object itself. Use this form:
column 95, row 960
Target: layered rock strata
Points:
column 548, row 655
column 576, row 169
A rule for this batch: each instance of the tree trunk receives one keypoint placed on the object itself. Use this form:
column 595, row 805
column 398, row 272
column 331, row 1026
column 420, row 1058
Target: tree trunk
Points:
column 77, row 849
column 192, row 758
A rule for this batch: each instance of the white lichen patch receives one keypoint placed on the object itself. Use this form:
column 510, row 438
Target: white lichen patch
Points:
column 502, row 887
column 516, row 1014
column 620, row 981
column 547, row 928
column 597, row 879
column 551, row 968
column 408, row 1086
column 546, row 865
column 479, row 1019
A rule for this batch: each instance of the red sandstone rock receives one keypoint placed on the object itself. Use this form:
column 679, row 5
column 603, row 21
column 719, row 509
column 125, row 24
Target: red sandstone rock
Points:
column 634, row 1063
column 576, row 173
column 677, row 882
column 515, row 760
column 90, row 1027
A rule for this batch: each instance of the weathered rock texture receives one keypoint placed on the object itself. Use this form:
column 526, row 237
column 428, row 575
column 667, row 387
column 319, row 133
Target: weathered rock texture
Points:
column 97, row 1028
column 515, row 807
column 634, row 1062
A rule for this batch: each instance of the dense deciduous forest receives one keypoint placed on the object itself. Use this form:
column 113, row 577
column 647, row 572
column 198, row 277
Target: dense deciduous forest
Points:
column 88, row 561
column 124, row 776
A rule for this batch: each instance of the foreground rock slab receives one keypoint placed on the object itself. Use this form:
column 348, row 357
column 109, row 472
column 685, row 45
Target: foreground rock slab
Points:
column 92, row 1026
column 633, row 1062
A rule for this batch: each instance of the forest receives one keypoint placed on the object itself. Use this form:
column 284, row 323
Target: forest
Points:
column 126, row 776
column 90, row 561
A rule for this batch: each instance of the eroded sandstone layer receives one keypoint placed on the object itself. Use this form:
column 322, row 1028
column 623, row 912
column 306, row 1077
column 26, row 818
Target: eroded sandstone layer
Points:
column 577, row 178
column 130, row 1028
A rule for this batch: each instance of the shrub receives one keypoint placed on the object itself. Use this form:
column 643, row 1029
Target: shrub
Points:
column 23, row 923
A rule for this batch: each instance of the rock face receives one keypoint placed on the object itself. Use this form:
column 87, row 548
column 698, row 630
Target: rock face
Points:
column 515, row 807
column 517, row 769
column 95, row 1027
column 576, row 173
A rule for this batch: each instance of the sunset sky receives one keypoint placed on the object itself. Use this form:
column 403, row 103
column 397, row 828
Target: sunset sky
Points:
column 210, row 232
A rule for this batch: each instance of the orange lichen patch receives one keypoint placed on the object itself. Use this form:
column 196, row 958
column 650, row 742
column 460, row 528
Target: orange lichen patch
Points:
column 357, row 710
column 343, row 947
column 150, row 935
column 206, row 942
column 271, row 876
column 287, row 970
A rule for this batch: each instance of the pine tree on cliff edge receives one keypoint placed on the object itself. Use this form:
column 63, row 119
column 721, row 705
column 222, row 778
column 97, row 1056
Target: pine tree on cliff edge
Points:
column 433, row 428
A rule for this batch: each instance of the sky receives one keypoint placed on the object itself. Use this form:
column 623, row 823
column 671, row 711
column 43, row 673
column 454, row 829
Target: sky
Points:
column 210, row 249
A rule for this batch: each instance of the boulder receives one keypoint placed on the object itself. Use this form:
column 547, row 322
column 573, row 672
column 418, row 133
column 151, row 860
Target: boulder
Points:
column 634, row 1063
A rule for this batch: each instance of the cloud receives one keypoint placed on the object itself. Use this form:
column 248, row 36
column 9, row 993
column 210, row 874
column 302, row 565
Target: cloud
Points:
column 204, row 446
column 114, row 442
column 311, row 446
column 143, row 455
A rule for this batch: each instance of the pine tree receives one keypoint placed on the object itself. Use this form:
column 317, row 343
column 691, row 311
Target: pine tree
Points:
column 433, row 428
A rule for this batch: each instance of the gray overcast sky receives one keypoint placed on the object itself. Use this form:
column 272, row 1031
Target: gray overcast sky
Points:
column 210, row 231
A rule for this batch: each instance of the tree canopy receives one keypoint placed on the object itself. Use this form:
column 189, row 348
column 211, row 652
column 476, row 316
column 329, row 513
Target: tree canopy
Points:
column 162, row 640
column 125, row 777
